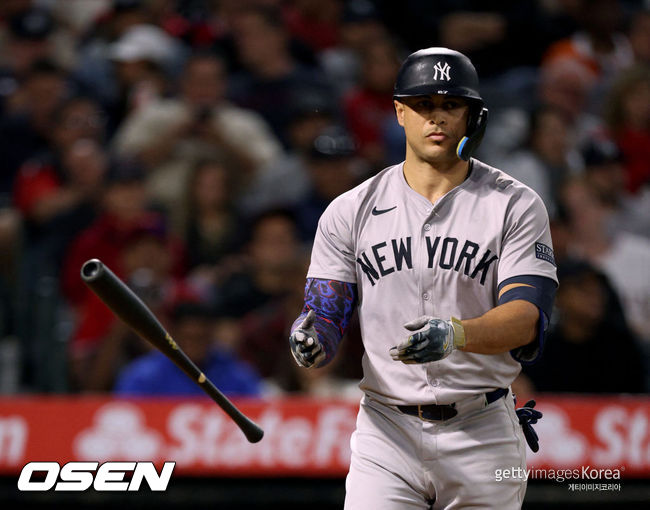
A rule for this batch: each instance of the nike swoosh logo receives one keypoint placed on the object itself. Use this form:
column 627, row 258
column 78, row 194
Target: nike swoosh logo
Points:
column 377, row 212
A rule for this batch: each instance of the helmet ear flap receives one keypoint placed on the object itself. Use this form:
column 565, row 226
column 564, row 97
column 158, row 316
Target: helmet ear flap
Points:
column 476, row 124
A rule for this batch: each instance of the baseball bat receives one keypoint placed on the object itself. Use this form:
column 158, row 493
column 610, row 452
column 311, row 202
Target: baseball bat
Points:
column 135, row 314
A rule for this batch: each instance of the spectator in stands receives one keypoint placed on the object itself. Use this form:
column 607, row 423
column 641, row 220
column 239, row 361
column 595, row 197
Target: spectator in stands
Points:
column 496, row 36
column 627, row 112
column 369, row 107
column 78, row 117
column 75, row 19
column 568, row 86
column 26, row 42
column 199, row 25
column 316, row 23
column 285, row 181
column 171, row 136
column 211, row 226
column 562, row 85
column 192, row 327
column 590, row 349
column 605, row 174
column 263, row 270
column 142, row 58
column 57, row 192
column 621, row 256
column 272, row 79
column 54, row 193
column 599, row 44
column 102, row 343
column 27, row 123
column 94, row 70
column 360, row 26
column 57, row 202
column 333, row 169
column 544, row 162
column 124, row 207
column 639, row 35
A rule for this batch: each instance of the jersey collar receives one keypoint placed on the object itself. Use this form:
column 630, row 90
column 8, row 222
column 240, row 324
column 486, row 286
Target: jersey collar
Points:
column 423, row 202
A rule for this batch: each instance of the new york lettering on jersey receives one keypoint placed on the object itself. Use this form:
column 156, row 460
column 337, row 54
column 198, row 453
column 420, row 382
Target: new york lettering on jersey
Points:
column 448, row 253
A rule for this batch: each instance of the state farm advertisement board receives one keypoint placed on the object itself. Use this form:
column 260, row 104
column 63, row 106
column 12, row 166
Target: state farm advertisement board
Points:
column 303, row 437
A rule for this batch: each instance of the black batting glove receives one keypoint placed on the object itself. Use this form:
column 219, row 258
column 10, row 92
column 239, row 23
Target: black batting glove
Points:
column 528, row 417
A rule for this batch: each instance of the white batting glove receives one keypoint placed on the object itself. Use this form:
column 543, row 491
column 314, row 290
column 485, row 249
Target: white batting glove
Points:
column 305, row 347
column 434, row 343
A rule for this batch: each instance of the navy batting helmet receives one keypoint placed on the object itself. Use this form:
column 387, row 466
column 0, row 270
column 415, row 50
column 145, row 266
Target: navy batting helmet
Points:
column 444, row 71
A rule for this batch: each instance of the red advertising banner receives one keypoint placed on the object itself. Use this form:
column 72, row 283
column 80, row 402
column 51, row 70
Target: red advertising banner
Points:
column 598, row 432
column 303, row 437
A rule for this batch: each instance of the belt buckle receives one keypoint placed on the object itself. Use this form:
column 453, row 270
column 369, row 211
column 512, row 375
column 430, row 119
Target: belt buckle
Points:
column 444, row 415
column 420, row 415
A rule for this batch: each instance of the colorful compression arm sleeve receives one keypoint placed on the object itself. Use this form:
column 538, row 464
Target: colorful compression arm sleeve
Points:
column 334, row 302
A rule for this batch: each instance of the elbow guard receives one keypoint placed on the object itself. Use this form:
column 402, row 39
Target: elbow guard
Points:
column 539, row 291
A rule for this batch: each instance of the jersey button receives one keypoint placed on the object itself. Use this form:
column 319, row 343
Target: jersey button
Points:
column 425, row 296
column 435, row 382
column 427, row 227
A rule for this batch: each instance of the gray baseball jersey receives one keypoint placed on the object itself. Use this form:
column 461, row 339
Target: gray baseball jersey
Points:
column 410, row 257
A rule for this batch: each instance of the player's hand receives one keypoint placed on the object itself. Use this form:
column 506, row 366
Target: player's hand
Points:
column 435, row 342
column 528, row 417
column 305, row 347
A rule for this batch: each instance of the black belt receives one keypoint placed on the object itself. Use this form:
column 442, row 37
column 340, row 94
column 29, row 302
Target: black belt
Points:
column 435, row 412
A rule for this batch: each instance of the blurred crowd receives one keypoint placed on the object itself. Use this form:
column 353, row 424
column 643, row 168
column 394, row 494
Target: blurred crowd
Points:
column 192, row 146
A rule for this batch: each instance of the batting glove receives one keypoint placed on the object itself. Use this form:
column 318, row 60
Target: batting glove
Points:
column 431, row 344
column 528, row 417
column 305, row 347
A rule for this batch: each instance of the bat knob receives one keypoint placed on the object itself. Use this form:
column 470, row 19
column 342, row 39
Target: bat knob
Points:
column 254, row 434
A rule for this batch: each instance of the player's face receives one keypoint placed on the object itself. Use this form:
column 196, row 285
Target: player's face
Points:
column 433, row 125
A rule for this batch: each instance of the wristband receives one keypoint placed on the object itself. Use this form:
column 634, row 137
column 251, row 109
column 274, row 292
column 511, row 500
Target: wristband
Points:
column 459, row 333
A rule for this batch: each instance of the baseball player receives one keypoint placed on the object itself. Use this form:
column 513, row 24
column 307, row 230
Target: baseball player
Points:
column 449, row 262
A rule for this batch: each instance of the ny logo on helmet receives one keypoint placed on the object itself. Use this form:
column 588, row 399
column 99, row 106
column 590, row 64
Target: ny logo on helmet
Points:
column 441, row 69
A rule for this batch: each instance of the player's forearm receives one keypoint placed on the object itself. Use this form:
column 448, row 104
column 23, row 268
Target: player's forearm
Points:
column 501, row 329
column 333, row 303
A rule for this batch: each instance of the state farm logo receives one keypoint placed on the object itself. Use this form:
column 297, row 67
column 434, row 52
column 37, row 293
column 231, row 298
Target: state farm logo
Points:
column 623, row 437
column 119, row 432
column 616, row 436
column 205, row 436
column 197, row 436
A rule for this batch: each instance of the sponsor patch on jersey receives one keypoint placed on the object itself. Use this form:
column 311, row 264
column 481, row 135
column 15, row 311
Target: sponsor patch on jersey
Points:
column 544, row 252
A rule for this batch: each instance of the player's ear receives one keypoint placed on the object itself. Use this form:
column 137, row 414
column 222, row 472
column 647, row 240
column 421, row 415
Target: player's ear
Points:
column 399, row 111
